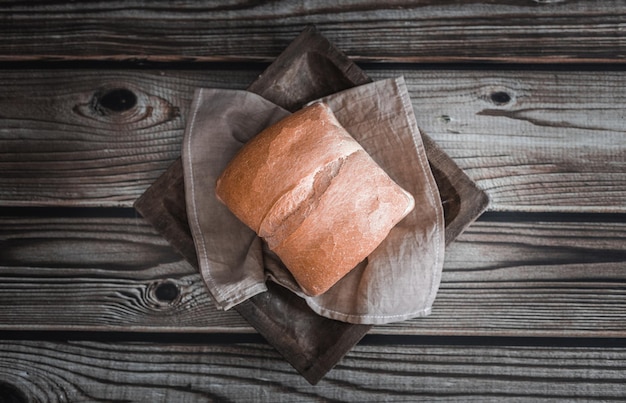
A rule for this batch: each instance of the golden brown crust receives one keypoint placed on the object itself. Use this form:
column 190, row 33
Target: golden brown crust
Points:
column 275, row 160
column 309, row 189
column 349, row 220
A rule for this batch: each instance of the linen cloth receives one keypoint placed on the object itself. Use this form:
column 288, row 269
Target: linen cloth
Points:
column 398, row 281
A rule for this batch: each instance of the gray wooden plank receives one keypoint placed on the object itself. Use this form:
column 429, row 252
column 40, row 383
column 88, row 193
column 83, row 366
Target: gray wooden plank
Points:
column 61, row 145
column 532, row 277
column 67, row 273
column 534, row 140
column 91, row 371
column 402, row 30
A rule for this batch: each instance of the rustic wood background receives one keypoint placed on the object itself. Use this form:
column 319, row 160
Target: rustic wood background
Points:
column 527, row 97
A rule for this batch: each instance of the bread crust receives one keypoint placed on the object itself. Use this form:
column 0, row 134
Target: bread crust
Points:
column 278, row 158
column 313, row 193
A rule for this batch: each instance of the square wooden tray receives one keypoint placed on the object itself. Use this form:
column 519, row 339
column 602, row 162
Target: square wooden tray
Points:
column 309, row 68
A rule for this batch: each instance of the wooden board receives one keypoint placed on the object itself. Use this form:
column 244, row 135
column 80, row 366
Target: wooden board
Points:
column 55, row 371
column 309, row 68
column 532, row 31
column 534, row 275
column 557, row 145
column 520, row 109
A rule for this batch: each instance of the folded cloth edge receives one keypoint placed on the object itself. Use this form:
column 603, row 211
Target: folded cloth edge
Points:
column 409, row 114
column 239, row 293
column 244, row 293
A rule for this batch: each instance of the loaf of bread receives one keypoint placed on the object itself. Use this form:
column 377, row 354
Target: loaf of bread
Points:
column 314, row 194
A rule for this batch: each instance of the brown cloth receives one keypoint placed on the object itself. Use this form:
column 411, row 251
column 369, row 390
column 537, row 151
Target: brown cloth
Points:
column 398, row 281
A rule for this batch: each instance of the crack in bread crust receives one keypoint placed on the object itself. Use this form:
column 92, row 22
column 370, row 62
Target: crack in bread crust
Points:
column 292, row 208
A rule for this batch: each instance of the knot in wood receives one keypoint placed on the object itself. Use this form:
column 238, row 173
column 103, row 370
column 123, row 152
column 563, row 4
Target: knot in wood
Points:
column 114, row 100
column 10, row 393
column 166, row 292
column 500, row 98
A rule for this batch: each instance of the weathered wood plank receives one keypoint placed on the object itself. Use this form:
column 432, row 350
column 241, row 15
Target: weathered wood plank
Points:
column 65, row 273
column 88, row 371
column 501, row 277
column 501, row 30
column 534, row 140
column 550, row 278
column 86, row 137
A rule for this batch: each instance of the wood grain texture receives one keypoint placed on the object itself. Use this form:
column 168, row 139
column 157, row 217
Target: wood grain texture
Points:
column 62, row 145
column 399, row 30
column 531, row 278
column 534, row 140
column 65, row 273
column 556, row 278
column 94, row 372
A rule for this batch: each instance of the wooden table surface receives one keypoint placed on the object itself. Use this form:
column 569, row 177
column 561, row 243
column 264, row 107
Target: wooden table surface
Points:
column 527, row 97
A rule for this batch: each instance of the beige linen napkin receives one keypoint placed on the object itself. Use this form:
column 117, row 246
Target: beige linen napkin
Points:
column 398, row 281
